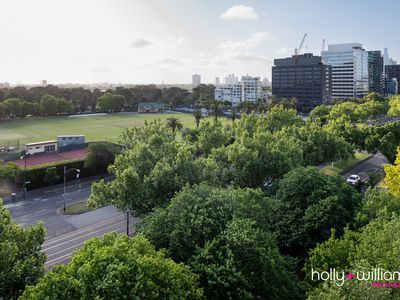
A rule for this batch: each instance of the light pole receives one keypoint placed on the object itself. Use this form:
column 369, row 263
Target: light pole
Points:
column 24, row 156
column 65, row 181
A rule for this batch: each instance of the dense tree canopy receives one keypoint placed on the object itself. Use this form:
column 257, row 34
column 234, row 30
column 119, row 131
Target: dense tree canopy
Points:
column 392, row 179
column 307, row 205
column 116, row 267
column 21, row 261
column 222, row 234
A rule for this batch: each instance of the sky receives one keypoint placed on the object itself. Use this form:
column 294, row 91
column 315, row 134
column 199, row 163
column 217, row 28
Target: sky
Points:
column 155, row 41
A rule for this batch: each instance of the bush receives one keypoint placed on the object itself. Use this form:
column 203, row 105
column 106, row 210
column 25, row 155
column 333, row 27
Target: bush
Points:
column 39, row 175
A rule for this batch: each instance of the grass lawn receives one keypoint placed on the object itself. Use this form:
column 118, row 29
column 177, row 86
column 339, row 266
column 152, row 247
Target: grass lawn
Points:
column 340, row 166
column 76, row 208
column 95, row 128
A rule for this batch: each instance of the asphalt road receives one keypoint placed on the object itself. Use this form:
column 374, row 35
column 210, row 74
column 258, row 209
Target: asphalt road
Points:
column 366, row 167
column 65, row 233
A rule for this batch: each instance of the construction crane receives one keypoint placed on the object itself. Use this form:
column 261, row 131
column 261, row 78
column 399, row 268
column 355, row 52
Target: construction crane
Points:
column 298, row 50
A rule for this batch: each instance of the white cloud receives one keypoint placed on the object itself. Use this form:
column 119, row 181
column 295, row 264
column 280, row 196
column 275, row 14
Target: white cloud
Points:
column 240, row 12
column 248, row 44
column 283, row 51
column 141, row 43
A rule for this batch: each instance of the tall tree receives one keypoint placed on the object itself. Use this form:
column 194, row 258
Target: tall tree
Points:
column 21, row 261
column 116, row 267
column 174, row 124
column 392, row 179
column 197, row 116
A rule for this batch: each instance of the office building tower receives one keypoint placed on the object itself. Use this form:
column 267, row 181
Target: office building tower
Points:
column 196, row 80
column 375, row 72
column 349, row 70
column 304, row 77
column 231, row 79
column 392, row 72
column 387, row 60
column 217, row 82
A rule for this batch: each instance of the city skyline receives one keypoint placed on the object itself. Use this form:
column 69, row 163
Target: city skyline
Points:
column 169, row 41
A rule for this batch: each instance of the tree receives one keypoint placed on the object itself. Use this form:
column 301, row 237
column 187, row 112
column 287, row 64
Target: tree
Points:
column 48, row 105
column 204, row 92
column 320, row 145
column 211, row 135
column 51, row 176
column 306, row 205
column 100, row 156
column 200, row 213
column 385, row 139
column 217, row 109
column 392, row 179
column 13, row 107
column 151, row 171
column 321, row 113
column 279, row 117
column 197, row 116
column 21, row 261
column 394, row 104
column 243, row 262
column 110, row 102
column 174, row 124
column 116, row 267
column 7, row 171
column 377, row 203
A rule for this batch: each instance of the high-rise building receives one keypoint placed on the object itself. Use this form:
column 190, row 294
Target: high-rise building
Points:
column 304, row 77
column 217, row 81
column 196, row 80
column 248, row 89
column 265, row 82
column 391, row 86
column 387, row 60
column 392, row 72
column 349, row 70
column 231, row 79
column 375, row 72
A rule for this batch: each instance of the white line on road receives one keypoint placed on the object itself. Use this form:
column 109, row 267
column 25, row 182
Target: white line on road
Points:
column 80, row 236
column 78, row 231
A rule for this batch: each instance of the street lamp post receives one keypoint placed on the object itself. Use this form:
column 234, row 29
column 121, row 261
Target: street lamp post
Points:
column 24, row 156
column 78, row 171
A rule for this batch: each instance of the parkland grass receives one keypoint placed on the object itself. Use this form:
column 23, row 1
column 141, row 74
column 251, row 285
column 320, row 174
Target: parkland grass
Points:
column 339, row 167
column 95, row 128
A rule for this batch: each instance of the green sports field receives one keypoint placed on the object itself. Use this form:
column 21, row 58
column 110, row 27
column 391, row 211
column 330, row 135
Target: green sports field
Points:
column 95, row 128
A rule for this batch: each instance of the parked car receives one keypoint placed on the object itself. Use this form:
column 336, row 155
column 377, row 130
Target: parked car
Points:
column 353, row 179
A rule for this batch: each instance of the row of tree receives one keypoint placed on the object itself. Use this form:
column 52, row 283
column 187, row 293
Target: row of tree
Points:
column 52, row 100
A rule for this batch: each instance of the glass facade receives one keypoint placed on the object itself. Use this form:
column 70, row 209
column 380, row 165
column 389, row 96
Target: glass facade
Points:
column 305, row 78
column 349, row 70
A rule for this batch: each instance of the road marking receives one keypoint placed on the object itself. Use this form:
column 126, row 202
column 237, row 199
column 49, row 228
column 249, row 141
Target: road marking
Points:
column 118, row 225
column 45, row 199
column 13, row 205
column 80, row 236
column 54, row 261
column 78, row 231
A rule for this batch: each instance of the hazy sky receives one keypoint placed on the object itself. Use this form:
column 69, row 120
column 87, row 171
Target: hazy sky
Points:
column 150, row 41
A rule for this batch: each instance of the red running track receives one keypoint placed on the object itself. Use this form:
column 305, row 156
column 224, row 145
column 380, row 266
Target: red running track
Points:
column 45, row 158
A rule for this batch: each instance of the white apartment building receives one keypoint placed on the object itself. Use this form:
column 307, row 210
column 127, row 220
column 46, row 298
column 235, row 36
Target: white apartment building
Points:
column 349, row 70
column 196, row 80
column 248, row 89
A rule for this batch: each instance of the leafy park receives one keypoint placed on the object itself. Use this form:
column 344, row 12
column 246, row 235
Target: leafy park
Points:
column 231, row 210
